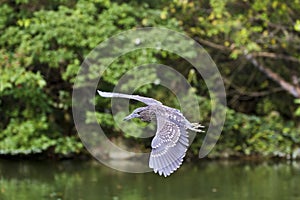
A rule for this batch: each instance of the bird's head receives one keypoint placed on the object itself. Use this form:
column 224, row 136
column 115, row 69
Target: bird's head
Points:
column 141, row 113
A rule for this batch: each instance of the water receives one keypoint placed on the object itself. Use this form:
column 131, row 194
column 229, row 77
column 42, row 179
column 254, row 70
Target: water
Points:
column 86, row 180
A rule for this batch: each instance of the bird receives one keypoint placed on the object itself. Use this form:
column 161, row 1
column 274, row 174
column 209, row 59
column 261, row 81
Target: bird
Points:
column 170, row 143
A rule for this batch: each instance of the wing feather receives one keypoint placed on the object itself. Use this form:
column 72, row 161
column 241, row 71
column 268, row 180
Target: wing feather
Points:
column 169, row 147
column 145, row 100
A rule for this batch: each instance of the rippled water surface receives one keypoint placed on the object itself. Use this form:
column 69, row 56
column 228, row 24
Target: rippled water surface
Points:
column 87, row 180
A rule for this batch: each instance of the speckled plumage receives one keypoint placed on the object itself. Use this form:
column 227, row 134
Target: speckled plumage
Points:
column 170, row 142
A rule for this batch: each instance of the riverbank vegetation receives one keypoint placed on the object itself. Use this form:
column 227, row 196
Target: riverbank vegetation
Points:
column 255, row 45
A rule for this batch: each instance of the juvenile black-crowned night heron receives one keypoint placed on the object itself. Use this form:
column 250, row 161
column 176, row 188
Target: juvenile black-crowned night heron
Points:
column 170, row 143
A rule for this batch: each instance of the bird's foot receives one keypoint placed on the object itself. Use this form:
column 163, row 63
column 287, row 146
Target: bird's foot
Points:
column 197, row 130
column 197, row 127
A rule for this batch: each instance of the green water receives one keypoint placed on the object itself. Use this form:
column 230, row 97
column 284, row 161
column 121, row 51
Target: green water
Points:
column 82, row 180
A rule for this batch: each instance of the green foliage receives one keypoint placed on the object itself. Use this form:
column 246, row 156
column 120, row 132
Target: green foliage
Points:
column 42, row 48
column 68, row 145
column 252, row 135
column 268, row 30
column 24, row 108
column 42, row 45
column 297, row 112
column 229, row 29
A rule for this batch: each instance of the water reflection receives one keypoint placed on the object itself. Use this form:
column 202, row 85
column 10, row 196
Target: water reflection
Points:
column 203, row 180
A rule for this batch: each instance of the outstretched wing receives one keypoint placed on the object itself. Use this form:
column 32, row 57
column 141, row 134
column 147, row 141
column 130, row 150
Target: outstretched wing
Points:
column 169, row 147
column 145, row 100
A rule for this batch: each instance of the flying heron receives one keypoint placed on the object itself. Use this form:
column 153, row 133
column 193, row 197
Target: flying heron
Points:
column 170, row 142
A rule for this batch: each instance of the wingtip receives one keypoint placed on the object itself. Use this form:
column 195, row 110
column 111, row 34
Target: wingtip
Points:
column 103, row 94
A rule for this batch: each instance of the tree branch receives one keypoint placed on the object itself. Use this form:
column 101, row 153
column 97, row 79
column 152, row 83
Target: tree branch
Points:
column 292, row 89
column 275, row 56
column 213, row 45
column 242, row 91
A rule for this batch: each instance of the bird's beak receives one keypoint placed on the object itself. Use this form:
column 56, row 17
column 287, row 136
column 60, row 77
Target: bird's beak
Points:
column 133, row 115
